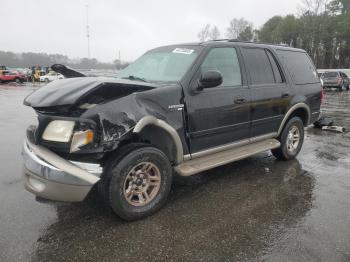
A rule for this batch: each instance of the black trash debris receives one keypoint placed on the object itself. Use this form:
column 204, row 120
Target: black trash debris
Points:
column 323, row 121
column 326, row 123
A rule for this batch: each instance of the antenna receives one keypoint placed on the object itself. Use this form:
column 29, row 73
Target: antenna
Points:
column 87, row 29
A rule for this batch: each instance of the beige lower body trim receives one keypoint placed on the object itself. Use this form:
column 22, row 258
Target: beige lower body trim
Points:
column 229, row 146
column 216, row 159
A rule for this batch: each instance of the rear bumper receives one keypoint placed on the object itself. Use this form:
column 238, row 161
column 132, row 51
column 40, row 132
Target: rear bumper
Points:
column 51, row 177
column 331, row 84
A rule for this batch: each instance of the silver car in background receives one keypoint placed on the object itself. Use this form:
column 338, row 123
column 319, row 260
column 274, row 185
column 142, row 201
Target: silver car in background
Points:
column 337, row 79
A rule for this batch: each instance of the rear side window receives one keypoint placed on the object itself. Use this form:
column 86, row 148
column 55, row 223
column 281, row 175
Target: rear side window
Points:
column 330, row 74
column 259, row 66
column 300, row 66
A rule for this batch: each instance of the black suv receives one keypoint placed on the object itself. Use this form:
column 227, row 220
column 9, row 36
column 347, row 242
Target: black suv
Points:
column 177, row 109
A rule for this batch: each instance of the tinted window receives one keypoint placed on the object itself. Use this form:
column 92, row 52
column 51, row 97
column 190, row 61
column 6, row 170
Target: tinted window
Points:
column 299, row 66
column 226, row 62
column 259, row 66
column 276, row 71
column 330, row 74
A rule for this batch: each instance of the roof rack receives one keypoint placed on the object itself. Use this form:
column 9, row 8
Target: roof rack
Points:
column 248, row 42
column 219, row 40
column 261, row 43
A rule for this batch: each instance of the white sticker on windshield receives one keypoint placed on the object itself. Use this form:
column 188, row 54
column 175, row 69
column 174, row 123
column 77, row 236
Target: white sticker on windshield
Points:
column 183, row 51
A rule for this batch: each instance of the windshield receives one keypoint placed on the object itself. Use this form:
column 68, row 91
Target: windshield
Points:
column 165, row 64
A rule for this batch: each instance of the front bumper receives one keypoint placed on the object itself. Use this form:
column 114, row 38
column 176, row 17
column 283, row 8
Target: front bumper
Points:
column 51, row 177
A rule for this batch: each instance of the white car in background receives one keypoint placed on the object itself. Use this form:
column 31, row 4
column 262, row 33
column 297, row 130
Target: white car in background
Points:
column 51, row 77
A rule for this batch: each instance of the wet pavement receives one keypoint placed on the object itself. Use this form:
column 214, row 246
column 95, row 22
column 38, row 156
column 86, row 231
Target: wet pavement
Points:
column 252, row 210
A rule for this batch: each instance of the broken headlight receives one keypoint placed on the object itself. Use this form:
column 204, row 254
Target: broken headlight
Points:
column 81, row 138
column 75, row 134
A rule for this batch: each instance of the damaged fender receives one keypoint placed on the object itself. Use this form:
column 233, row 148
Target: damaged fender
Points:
column 119, row 108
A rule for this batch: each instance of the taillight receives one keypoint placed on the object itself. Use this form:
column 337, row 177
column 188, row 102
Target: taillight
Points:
column 339, row 79
column 322, row 96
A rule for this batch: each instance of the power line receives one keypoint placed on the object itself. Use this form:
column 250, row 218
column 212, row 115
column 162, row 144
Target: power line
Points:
column 88, row 30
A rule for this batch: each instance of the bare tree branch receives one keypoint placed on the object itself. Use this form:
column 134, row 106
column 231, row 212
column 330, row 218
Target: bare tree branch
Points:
column 214, row 33
column 237, row 26
column 203, row 35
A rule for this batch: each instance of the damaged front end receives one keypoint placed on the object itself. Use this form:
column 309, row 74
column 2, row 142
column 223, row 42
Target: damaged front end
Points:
column 80, row 120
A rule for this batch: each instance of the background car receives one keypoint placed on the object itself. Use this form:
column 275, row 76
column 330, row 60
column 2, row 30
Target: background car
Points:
column 336, row 79
column 12, row 76
column 51, row 77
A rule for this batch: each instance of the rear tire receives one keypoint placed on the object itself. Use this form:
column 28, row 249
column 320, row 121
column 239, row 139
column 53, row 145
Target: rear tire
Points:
column 291, row 139
column 138, row 183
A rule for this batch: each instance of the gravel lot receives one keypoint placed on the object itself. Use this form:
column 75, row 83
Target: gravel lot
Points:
column 252, row 210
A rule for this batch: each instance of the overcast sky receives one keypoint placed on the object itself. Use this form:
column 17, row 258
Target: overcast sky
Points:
column 131, row 26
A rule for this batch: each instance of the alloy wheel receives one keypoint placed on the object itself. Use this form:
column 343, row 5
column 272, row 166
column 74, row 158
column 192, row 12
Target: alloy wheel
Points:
column 293, row 138
column 142, row 184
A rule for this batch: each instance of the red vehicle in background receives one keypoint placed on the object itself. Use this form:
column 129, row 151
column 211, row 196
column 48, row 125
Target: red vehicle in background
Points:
column 14, row 76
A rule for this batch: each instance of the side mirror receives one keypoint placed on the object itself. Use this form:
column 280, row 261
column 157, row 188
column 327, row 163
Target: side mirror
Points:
column 210, row 79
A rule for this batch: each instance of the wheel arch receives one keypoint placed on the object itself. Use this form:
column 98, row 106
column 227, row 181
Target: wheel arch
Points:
column 162, row 135
column 301, row 110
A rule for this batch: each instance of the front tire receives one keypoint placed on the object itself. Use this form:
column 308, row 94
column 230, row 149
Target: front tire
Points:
column 139, row 183
column 291, row 139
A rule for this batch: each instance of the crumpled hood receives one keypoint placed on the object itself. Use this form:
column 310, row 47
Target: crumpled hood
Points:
column 69, row 91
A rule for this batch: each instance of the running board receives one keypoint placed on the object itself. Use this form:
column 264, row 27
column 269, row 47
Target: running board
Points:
column 197, row 165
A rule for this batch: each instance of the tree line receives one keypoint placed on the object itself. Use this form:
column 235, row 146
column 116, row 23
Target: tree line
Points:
column 29, row 59
column 322, row 29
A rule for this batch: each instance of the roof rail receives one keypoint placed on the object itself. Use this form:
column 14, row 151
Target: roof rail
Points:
column 242, row 41
column 219, row 40
column 261, row 43
column 216, row 40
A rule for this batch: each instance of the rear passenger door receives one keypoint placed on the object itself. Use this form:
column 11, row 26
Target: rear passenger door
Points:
column 269, row 91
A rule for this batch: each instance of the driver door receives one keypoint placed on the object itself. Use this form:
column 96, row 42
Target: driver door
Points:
column 219, row 115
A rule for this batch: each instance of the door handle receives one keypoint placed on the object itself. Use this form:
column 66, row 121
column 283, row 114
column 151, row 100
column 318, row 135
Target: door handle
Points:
column 239, row 100
column 285, row 95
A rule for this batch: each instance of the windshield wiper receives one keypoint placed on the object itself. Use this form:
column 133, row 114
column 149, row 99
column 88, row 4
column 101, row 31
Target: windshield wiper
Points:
column 136, row 78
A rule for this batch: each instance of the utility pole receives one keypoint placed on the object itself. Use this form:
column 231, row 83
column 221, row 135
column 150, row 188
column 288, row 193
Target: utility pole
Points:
column 87, row 30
